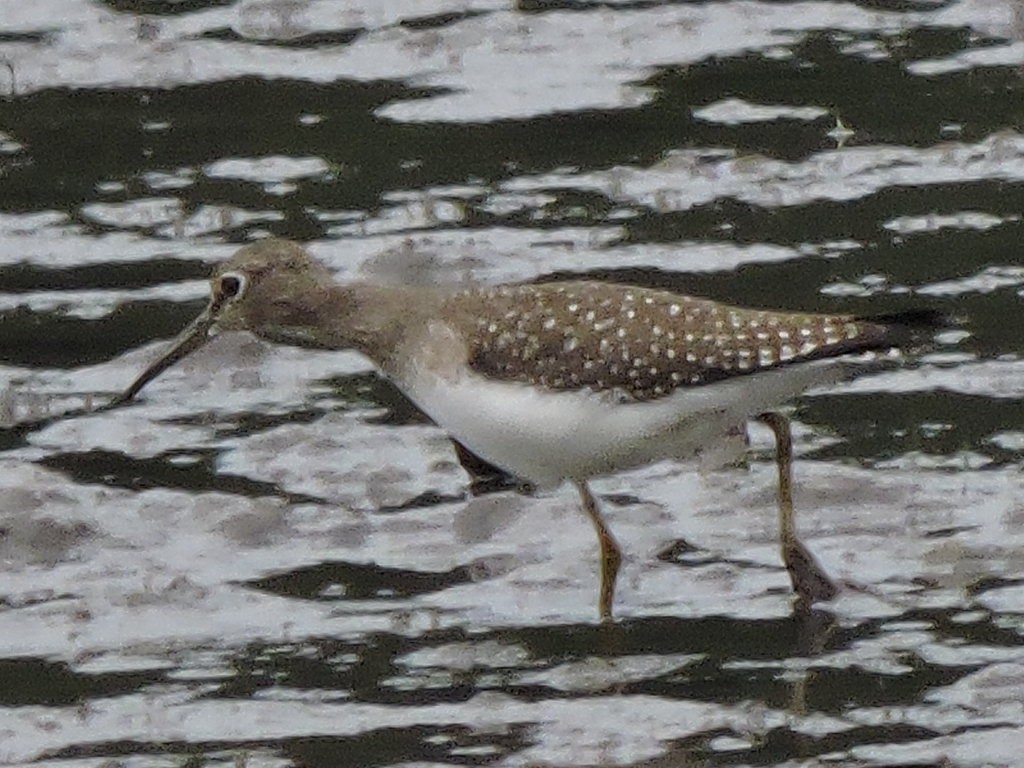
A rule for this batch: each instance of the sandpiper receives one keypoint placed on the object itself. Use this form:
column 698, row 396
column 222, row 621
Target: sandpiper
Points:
column 554, row 381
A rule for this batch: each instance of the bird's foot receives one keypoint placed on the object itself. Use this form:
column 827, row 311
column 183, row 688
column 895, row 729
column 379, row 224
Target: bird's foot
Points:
column 810, row 582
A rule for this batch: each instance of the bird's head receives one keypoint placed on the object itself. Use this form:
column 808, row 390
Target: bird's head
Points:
column 269, row 288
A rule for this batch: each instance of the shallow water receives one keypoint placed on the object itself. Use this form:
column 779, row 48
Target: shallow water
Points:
column 272, row 560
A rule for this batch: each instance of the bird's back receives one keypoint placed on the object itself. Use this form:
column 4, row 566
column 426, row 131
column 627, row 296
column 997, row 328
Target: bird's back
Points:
column 641, row 344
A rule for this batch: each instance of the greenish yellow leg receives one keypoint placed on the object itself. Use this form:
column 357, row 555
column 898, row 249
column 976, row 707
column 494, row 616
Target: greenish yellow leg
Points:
column 810, row 582
column 611, row 555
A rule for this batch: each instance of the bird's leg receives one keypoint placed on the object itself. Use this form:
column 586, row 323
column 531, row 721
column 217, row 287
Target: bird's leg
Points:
column 611, row 555
column 810, row 582
column 484, row 476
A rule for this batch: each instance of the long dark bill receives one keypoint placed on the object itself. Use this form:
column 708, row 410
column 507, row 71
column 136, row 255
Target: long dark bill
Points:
column 187, row 342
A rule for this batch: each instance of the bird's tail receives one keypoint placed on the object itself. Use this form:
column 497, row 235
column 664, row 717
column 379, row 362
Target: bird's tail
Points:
column 912, row 330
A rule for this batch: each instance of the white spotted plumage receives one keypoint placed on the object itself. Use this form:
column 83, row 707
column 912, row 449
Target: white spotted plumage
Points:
column 634, row 340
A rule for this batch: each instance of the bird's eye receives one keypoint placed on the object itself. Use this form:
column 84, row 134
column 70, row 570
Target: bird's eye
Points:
column 231, row 285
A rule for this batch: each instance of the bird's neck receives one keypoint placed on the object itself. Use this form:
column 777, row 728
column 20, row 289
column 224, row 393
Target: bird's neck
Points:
column 376, row 320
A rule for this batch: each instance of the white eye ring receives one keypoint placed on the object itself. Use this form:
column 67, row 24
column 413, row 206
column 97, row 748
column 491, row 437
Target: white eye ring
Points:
column 231, row 285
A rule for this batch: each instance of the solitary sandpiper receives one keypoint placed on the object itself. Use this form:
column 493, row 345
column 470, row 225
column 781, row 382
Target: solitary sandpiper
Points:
column 554, row 381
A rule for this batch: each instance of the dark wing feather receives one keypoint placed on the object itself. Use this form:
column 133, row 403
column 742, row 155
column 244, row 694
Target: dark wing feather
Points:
column 641, row 343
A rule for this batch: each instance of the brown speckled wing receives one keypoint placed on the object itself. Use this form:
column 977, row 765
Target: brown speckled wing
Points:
column 640, row 343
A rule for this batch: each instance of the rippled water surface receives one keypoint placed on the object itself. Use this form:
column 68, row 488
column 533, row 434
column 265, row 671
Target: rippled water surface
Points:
column 273, row 560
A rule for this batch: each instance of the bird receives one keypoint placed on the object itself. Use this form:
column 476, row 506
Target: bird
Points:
column 555, row 381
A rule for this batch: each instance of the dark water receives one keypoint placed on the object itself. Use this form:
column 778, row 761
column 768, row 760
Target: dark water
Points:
column 273, row 561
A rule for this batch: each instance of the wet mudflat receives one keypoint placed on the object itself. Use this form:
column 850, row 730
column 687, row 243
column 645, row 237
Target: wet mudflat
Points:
column 273, row 560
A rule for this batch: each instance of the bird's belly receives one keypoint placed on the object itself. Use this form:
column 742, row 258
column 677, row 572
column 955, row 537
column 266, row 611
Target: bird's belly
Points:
column 547, row 436
column 540, row 436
